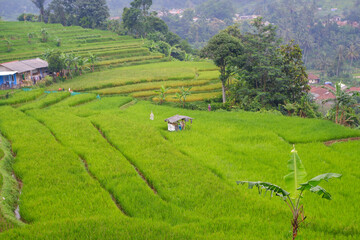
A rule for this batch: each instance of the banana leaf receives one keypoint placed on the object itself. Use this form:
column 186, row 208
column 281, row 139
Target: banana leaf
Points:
column 267, row 187
column 297, row 174
column 321, row 191
column 316, row 180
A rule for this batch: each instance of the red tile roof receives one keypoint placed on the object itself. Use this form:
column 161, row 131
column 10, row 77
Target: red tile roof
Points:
column 322, row 93
column 356, row 89
column 312, row 76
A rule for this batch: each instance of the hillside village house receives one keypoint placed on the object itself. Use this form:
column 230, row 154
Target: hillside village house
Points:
column 30, row 70
column 7, row 79
column 313, row 79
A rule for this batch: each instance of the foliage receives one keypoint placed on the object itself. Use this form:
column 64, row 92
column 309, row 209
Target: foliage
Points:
column 40, row 4
column 344, row 104
column 28, row 17
column 293, row 181
column 85, row 13
column 184, row 93
column 222, row 49
column 162, row 93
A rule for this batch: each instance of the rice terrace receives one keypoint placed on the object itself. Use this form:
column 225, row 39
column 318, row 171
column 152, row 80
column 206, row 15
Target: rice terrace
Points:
column 86, row 153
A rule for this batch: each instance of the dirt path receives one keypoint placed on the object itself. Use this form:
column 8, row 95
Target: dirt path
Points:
column 328, row 143
column 129, row 104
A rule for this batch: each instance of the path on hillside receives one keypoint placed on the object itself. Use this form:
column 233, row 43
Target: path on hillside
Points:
column 329, row 143
column 129, row 104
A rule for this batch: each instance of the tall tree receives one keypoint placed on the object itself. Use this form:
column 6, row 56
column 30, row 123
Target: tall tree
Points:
column 144, row 5
column 222, row 48
column 352, row 53
column 92, row 13
column 40, row 5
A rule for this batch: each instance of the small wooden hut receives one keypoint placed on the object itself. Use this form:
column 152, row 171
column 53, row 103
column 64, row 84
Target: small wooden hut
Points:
column 177, row 122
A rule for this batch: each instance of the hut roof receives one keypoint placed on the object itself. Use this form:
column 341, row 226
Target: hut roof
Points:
column 18, row 66
column 36, row 63
column 177, row 118
column 26, row 65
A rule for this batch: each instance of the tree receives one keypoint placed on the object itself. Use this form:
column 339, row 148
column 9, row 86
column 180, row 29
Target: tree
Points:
column 81, row 63
column 340, row 55
column 162, row 93
column 92, row 13
column 55, row 61
column 296, row 78
column 133, row 21
column 296, row 188
column 352, row 53
column 44, row 35
column 183, row 95
column 342, row 111
column 222, row 48
column 144, row 5
column 92, row 60
column 40, row 5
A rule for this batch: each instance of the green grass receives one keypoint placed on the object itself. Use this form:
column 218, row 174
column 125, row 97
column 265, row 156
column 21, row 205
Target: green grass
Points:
column 111, row 49
column 166, row 71
column 193, row 172
column 22, row 97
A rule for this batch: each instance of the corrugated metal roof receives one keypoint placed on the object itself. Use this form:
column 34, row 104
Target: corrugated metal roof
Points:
column 26, row 65
column 176, row 118
column 36, row 63
column 7, row 73
column 18, row 66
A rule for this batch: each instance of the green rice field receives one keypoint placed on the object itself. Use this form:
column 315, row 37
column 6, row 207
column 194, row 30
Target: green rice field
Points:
column 91, row 168
column 112, row 50
column 92, row 165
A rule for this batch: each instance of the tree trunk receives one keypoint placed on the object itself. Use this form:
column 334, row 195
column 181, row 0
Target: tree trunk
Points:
column 223, row 92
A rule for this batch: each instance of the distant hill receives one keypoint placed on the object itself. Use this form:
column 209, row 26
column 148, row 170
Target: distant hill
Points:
column 10, row 10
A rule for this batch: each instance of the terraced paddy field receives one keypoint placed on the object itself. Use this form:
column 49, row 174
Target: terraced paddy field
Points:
column 111, row 49
column 142, row 81
column 101, row 169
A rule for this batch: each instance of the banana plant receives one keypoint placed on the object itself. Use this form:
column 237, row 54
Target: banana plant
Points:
column 296, row 185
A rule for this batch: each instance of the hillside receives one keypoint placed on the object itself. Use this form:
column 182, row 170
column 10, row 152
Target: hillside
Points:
column 10, row 10
column 111, row 49
column 90, row 164
column 91, row 169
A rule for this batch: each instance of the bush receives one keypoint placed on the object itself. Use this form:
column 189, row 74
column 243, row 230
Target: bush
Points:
column 28, row 17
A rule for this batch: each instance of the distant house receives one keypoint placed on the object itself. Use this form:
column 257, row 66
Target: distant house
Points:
column 313, row 79
column 26, row 70
column 8, row 79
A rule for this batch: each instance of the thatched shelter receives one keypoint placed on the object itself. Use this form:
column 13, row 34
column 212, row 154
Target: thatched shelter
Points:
column 177, row 122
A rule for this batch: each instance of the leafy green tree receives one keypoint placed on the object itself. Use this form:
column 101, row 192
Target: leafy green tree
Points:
column 352, row 53
column 296, row 186
column 92, row 60
column 222, row 49
column 81, row 63
column 92, row 13
column 144, row 5
column 56, row 62
column 344, row 104
column 133, row 21
column 162, row 93
column 295, row 76
column 184, row 93
column 340, row 56
column 44, row 35
column 40, row 5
